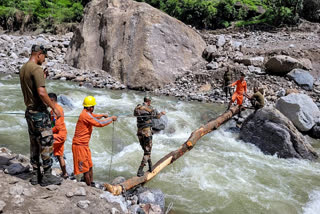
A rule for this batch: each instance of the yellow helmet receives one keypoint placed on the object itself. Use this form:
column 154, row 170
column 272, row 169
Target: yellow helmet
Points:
column 89, row 101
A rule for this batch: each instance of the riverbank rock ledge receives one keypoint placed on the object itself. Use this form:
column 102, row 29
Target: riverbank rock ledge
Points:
column 141, row 46
column 300, row 109
column 274, row 133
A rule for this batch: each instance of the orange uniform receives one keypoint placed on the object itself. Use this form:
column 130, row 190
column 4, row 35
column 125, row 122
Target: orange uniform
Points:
column 240, row 89
column 59, row 132
column 80, row 145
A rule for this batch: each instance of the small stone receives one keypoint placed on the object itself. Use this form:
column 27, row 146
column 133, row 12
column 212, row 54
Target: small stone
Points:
column 16, row 190
column 83, row 204
column 2, row 206
column 69, row 194
column 52, row 187
column 80, row 192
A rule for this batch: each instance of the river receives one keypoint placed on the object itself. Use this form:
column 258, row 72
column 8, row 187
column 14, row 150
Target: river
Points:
column 221, row 174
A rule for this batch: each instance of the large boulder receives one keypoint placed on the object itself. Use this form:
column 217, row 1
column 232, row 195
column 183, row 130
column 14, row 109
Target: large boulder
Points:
column 134, row 42
column 302, row 77
column 274, row 133
column 300, row 109
column 281, row 64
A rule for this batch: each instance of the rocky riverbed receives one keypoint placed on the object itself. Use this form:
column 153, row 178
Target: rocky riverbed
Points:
column 19, row 196
column 241, row 51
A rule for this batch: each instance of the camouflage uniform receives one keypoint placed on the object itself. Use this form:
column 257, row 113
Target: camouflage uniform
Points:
column 41, row 138
column 145, row 114
column 227, row 77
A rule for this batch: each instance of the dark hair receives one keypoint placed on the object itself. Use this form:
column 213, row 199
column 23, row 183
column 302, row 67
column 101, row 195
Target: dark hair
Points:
column 243, row 75
column 37, row 48
column 53, row 96
column 146, row 99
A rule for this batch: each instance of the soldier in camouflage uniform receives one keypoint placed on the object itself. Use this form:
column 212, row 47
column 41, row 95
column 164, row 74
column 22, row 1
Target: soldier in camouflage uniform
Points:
column 227, row 77
column 36, row 99
column 145, row 113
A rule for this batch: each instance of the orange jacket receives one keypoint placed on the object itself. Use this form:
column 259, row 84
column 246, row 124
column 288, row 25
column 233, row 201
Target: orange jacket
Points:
column 59, row 130
column 84, row 126
column 241, row 86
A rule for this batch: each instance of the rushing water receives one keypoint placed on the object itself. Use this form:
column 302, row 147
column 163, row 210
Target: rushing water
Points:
column 221, row 174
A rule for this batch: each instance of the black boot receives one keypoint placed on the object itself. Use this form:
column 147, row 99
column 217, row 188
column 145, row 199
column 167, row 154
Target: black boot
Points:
column 49, row 179
column 150, row 165
column 140, row 171
column 36, row 177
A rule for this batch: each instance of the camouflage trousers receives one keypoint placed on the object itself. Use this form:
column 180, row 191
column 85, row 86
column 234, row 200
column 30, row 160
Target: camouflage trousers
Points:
column 145, row 139
column 41, row 138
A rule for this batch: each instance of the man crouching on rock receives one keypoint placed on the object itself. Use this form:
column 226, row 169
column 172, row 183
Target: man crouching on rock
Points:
column 82, row 162
column 145, row 113
column 36, row 100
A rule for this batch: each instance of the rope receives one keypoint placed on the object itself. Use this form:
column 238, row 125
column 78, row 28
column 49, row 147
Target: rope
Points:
column 119, row 115
column 112, row 141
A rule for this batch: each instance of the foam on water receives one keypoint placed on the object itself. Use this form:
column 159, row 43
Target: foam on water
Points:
column 313, row 205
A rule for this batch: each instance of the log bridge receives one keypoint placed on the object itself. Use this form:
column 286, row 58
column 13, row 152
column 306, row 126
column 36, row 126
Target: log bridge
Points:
column 174, row 155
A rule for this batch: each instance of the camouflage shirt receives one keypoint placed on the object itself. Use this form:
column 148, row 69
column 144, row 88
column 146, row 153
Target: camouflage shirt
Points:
column 145, row 114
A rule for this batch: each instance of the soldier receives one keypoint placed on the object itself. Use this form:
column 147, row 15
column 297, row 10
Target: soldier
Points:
column 36, row 99
column 257, row 99
column 227, row 77
column 145, row 113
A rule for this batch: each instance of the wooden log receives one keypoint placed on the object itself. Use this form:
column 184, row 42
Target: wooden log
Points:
column 174, row 155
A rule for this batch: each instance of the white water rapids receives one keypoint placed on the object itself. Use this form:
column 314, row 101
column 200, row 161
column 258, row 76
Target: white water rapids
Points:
column 221, row 174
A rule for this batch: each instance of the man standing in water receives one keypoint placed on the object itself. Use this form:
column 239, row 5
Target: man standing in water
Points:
column 241, row 89
column 36, row 99
column 145, row 113
column 82, row 162
column 59, row 134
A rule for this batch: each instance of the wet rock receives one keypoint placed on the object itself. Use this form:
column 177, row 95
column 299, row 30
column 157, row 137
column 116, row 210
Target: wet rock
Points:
column 274, row 133
column 16, row 168
column 281, row 65
column 160, row 124
column 64, row 100
column 315, row 131
column 83, row 204
column 300, row 109
column 118, row 180
column 302, row 77
column 152, row 196
column 7, row 77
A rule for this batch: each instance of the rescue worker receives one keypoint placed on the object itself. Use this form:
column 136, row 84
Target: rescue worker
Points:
column 241, row 89
column 257, row 99
column 227, row 77
column 59, row 135
column 36, row 100
column 80, row 145
column 145, row 113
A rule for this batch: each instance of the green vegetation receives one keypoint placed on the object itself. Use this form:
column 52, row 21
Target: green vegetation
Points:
column 42, row 12
column 220, row 13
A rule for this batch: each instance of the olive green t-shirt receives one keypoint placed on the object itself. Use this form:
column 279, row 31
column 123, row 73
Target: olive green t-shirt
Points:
column 259, row 97
column 31, row 78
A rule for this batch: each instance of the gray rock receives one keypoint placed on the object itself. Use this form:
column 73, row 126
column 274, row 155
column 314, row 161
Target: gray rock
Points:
column 255, row 70
column 208, row 52
column 16, row 190
column 118, row 180
column 69, row 194
column 7, row 77
column 300, row 109
column 134, row 208
column 212, row 65
column 254, row 61
column 156, row 45
column 152, row 196
column 281, row 65
column 83, row 204
column 52, row 187
column 274, row 133
column 2, row 205
column 302, row 77
column 160, row 124
column 16, row 168
column 236, row 45
column 115, row 199
column 221, row 41
column 65, row 101
column 281, row 92
column 80, row 192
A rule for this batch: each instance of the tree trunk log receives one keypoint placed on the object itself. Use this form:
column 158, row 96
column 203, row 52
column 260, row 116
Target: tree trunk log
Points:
column 174, row 155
